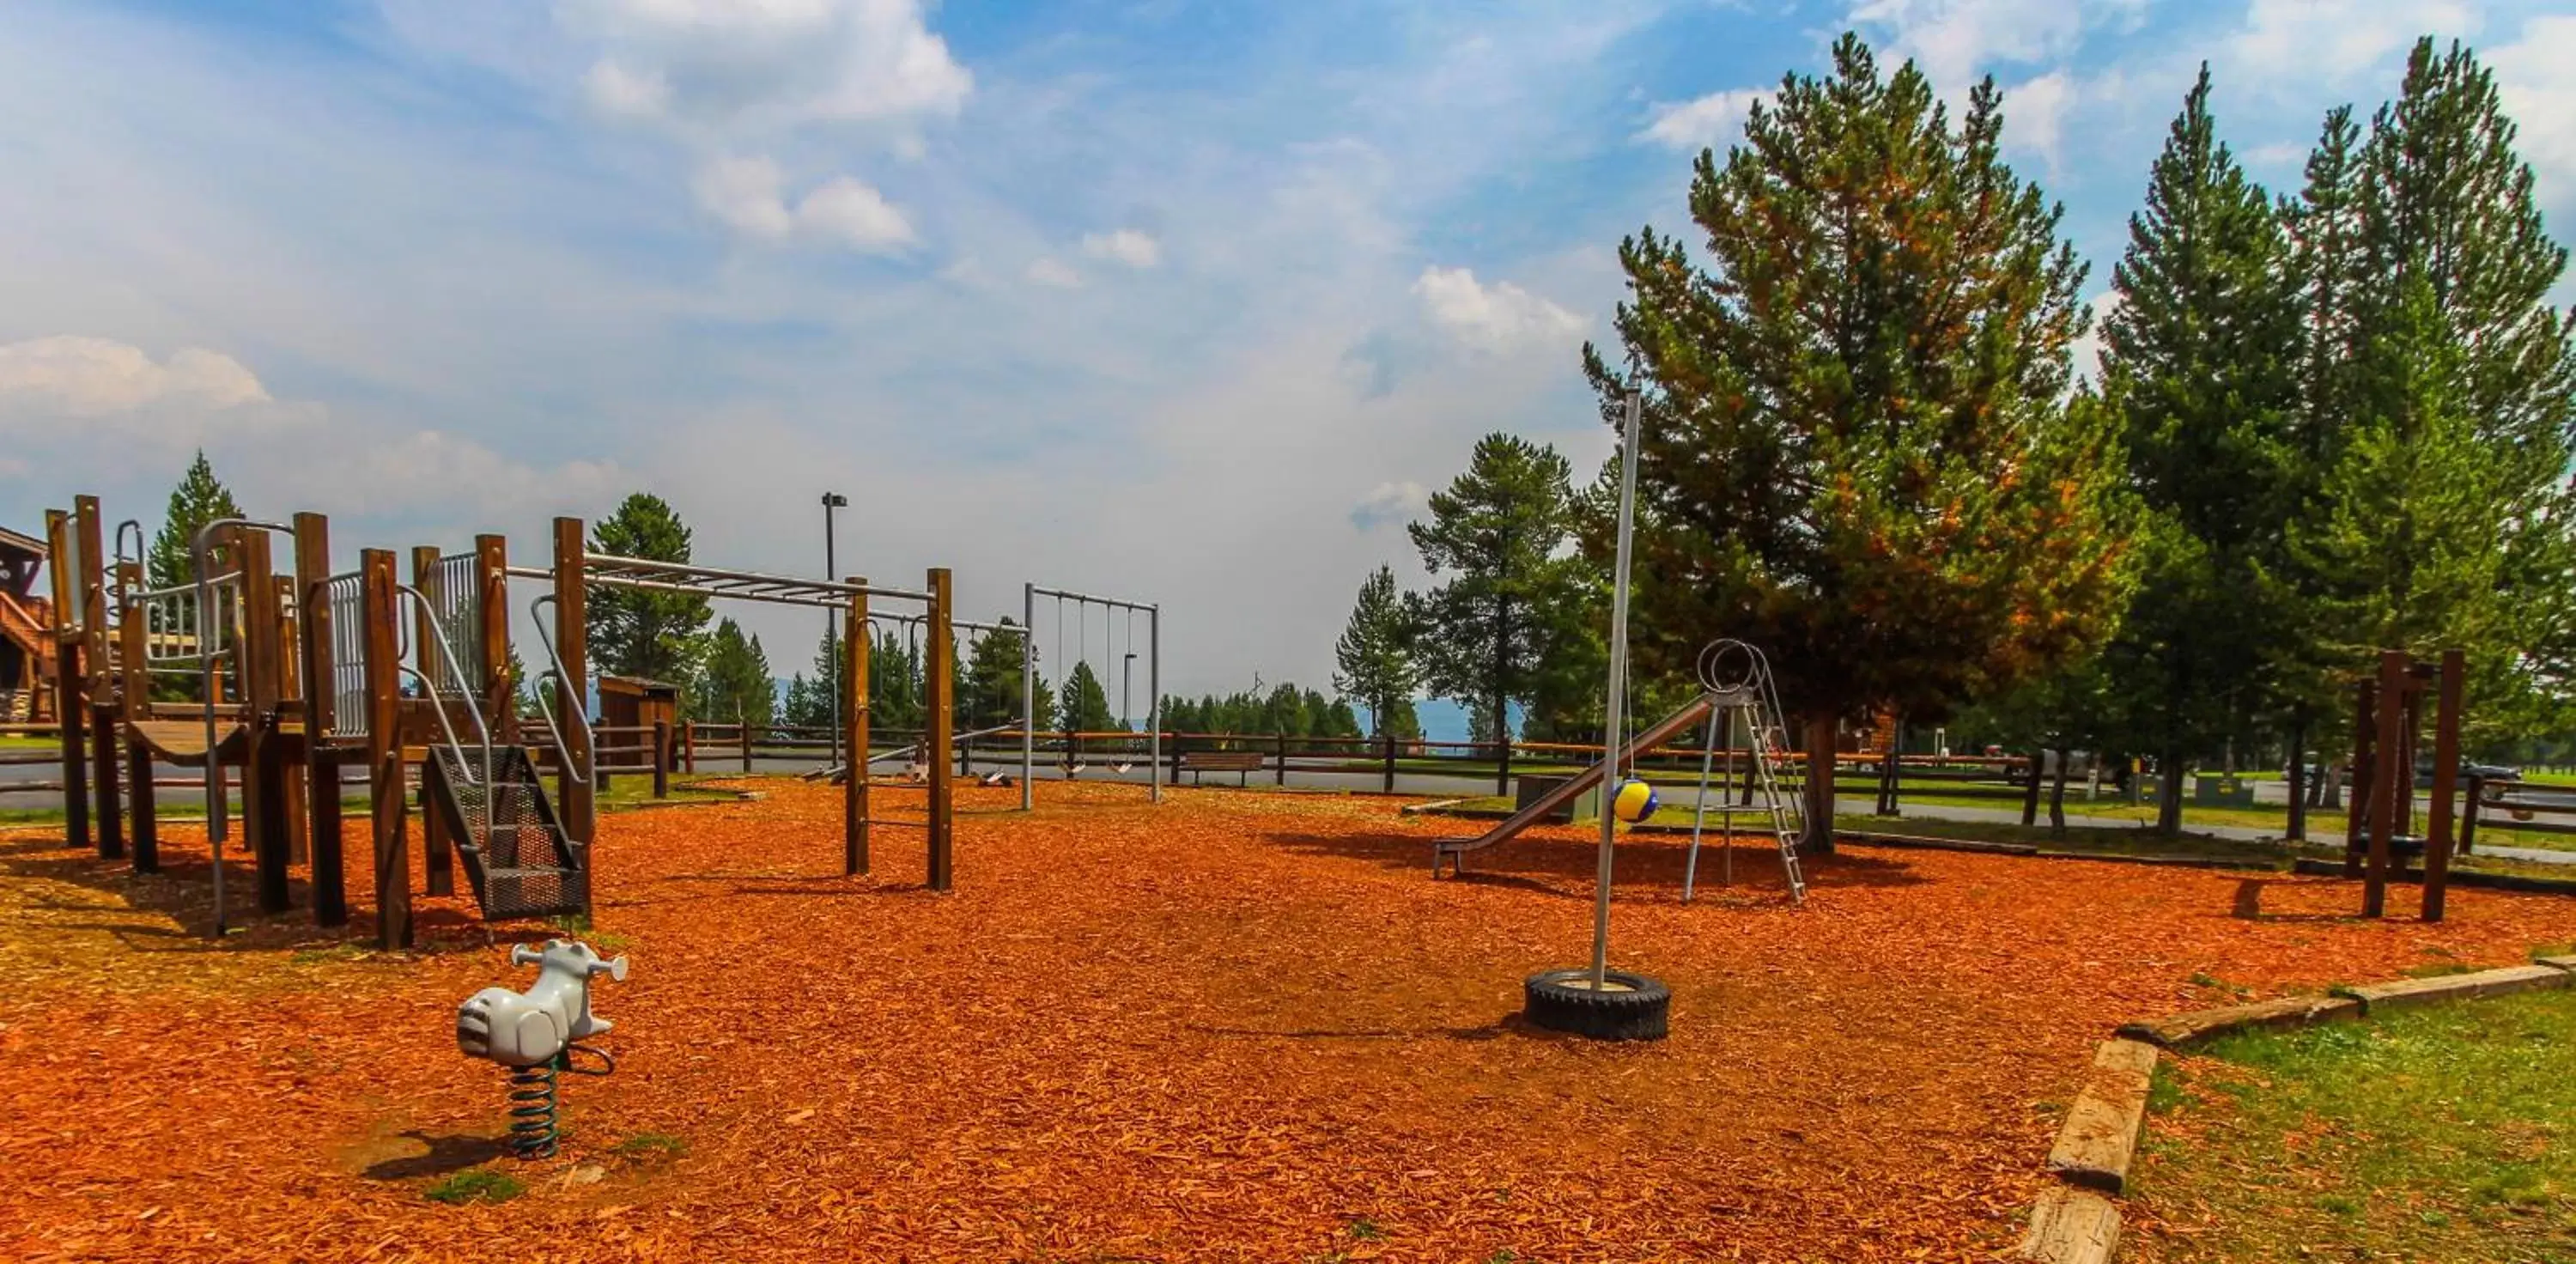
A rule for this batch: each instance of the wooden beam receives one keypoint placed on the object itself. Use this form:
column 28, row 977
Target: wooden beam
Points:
column 438, row 858
column 264, row 810
column 2388, row 782
column 577, row 801
column 2446, row 775
column 100, row 679
column 290, row 693
column 321, row 717
column 70, row 694
column 384, row 752
column 146, row 809
column 855, row 648
column 492, row 640
column 938, row 671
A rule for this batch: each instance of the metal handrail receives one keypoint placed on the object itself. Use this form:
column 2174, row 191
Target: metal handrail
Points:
column 473, row 709
column 545, row 705
column 215, row 821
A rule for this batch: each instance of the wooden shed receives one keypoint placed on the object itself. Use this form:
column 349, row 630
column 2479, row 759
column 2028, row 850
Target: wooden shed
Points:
column 632, row 711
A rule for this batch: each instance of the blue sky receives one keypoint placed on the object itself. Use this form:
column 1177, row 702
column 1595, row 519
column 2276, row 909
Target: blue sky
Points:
column 1183, row 301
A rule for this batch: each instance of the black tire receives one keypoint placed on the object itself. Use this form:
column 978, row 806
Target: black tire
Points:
column 1633, row 1007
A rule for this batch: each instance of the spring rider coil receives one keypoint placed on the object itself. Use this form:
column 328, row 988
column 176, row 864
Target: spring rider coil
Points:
column 534, row 1035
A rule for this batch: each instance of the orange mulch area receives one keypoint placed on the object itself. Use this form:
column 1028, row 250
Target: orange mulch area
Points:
column 1240, row 1026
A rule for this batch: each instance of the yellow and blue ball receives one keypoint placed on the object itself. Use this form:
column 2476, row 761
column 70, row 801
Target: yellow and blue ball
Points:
column 1635, row 801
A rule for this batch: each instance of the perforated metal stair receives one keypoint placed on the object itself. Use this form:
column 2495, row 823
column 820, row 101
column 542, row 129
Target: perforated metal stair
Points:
column 516, row 856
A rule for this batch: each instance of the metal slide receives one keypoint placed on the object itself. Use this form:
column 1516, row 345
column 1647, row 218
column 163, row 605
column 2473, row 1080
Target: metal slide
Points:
column 1454, row 851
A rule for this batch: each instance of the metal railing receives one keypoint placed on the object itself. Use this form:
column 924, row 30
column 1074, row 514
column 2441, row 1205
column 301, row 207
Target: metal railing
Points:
column 455, row 605
column 545, row 700
column 345, row 596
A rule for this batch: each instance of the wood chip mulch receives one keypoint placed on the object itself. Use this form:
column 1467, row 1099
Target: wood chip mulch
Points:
column 1241, row 1026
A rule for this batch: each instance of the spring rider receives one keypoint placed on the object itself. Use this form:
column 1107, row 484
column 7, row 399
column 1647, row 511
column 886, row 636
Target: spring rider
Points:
column 534, row 1034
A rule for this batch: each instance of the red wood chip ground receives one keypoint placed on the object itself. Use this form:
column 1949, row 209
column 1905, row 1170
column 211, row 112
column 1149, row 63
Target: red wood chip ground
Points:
column 1237, row 1027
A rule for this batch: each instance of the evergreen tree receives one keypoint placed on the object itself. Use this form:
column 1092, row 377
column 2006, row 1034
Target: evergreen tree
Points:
column 1375, row 654
column 2200, row 359
column 638, row 632
column 990, row 692
column 1086, row 704
column 897, row 690
column 735, row 686
column 1855, row 450
column 199, row 498
column 2442, row 514
column 1492, row 542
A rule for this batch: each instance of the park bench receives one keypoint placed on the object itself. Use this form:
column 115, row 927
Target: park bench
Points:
column 1242, row 763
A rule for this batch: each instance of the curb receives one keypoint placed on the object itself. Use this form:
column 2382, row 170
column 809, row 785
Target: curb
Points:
column 2073, row 1222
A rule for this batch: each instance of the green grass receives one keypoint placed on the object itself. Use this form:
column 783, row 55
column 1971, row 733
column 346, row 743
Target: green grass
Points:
column 2437, row 1135
column 651, row 1145
column 627, row 790
column 479, row 1184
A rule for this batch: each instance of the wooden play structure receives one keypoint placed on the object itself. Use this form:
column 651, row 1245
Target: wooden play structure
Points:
column 275, row 682
column 2388, row 725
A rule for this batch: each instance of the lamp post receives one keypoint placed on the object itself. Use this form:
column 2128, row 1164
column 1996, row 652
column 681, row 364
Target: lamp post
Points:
column 832, row 618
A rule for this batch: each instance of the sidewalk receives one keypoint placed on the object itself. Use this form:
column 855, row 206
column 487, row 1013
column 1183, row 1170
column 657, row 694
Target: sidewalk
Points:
column 1853, row 805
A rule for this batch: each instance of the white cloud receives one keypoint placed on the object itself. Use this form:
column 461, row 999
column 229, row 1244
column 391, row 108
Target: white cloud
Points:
column 89, row 377
column 2301, row 40
column 760, row 64
column 1389, row 502
column 854, row 215
column 1955, row 40
column 1127, row 246
column 1710, row 122
column 747, row 194
column 2536, row 76
column 2035, row 114
column 615, row 90
column 744, row 193
column 1050, row 273
column 1492, row 318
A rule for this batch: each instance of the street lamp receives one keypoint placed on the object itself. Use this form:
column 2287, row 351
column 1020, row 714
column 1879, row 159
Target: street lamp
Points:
column 832, row 618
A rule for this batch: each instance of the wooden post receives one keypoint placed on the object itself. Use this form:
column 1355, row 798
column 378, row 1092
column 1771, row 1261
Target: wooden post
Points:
column 661, row 758
column 290, row 689
column 2446, row 773
column 939, row 668
column 138, row 755
column 70, row 695
column 2388, row 782
column 746, row 745
column 1387, row 737
column 490, row 663
column 384, row 753
column 855, row 859
column 438, row 853
column 689, row 746
column 321, row 718
column 576, row 801
column 101, row 681
column 264, row 811
column 2364, row 769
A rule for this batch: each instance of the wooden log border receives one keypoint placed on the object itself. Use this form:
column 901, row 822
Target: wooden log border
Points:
column 2074, row 1221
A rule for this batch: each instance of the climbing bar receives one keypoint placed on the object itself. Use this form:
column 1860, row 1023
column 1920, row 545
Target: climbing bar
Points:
column 714, row 581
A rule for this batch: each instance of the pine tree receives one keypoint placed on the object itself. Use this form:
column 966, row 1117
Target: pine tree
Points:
column 638, row 632
column 811, row 699
column 896, row 687
column 989, row 693
column 1086, row 704
column 2200, row 359
column 1855, row 451
column 1375, row 655
column 2442, row 516
column 735, row 686
column 1494, row 534
column 199, row 498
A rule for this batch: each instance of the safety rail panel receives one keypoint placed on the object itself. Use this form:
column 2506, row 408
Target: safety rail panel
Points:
column 454, row 599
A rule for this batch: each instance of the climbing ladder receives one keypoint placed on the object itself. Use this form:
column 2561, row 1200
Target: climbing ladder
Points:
column 518, row 857
column 1740, row 676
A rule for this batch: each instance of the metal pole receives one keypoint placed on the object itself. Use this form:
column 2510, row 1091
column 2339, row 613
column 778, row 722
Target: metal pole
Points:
column 1613, row 721
column 1699, row 806
column 1154, row 686
column 831, row 615
column 1028, row 694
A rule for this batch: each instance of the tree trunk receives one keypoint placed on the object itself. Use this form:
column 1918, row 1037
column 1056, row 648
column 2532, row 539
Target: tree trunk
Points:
column 2298, row 828
column 2057, row 792
column 2169, row 791
column 2330, row 786
column 1503, row 703
column 1820, row 785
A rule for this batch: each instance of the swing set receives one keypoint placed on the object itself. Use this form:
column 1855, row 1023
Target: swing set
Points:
column 1112, row 611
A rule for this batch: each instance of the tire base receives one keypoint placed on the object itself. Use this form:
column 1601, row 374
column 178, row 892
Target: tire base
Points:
column 1633, row 1008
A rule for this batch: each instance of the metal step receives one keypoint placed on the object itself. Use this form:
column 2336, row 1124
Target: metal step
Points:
column 517, row 856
